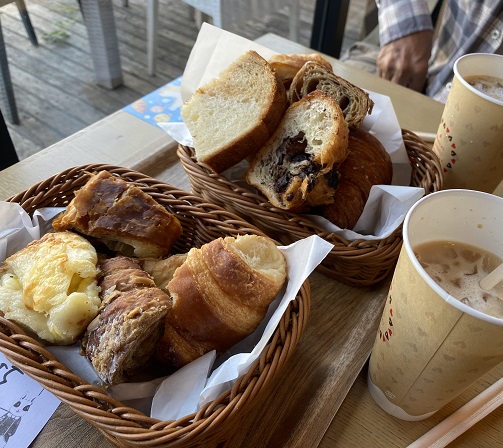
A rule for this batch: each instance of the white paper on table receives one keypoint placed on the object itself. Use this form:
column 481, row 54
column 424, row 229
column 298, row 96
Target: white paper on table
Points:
column 215, row 49
column 25, row 406
column 169, row 395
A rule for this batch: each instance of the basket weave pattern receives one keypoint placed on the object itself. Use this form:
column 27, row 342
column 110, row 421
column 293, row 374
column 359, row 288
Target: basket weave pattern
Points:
column 359, row 262
column 123, row 425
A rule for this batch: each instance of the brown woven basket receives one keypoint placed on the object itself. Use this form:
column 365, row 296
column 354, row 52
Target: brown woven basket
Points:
column 122, row 425
column 359, row 262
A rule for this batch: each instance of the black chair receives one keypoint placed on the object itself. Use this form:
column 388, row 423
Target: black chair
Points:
column 7, row 91
column 8, row 155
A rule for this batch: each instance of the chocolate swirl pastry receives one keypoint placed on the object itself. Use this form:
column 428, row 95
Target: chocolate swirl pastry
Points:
column 297, row 168
column 122, row 339
column 354, row 102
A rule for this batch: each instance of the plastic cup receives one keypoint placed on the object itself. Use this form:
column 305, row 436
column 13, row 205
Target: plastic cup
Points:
column 429, row 346
column 469, row 140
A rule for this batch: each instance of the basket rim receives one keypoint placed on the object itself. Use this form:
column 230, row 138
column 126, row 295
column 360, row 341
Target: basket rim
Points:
column 124, row 422
column 304, row 226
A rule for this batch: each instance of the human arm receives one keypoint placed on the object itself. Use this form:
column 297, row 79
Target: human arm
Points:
column 406, row 36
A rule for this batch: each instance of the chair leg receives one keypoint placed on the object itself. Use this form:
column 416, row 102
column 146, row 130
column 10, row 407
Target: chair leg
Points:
column 6, row 84
column 8, row 155
column 23, row 12
column 102, row 34
column 294, row 24
column 152, row 27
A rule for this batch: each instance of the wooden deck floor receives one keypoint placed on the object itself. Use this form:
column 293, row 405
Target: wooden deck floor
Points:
column 53, row 83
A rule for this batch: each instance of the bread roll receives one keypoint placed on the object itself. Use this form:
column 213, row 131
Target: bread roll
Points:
column 232, row 116
column 297, row 168
column 220, row 295
column 354, row 102
column 121, row 216
column 50, row 287
column 121, row 340
column 287, row 65
column 367, row 164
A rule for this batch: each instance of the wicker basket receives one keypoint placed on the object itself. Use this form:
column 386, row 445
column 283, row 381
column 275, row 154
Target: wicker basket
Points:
column 122, row 425
column 359, row 262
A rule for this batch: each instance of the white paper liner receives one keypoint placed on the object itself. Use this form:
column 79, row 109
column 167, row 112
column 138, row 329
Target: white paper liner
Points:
column 185, row 391
column 215, row 49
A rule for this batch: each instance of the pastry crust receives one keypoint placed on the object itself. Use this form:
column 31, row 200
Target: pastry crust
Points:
column 121, row 216
column 287, row 65
column 121, row 340
column 220, row 295
column 367, row 164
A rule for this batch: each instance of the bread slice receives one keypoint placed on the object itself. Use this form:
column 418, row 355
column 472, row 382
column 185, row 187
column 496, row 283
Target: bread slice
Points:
column 287, row 65
column 232, row 116
column 354, row 102
column 297, row 167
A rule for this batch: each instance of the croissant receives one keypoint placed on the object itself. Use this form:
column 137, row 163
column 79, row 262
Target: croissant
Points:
column 367, row 164
column 123, row 337
column 220, row 295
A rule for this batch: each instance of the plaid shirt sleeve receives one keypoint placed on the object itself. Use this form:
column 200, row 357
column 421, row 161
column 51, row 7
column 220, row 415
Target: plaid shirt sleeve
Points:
column 399, row 18
column 467, row 26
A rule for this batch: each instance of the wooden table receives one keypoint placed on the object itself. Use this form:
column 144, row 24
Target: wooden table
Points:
column 321, row 398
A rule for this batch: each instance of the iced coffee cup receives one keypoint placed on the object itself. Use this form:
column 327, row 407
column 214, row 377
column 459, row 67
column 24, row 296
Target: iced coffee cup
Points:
column 469, row 140
column 432, row 345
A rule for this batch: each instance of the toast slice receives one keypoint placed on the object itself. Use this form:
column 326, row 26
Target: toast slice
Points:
column 297, row 168
column 232, row 116
column 354, row 102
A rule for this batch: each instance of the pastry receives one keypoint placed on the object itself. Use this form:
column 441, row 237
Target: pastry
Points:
column 50, row 287
column 367, row 164
column 297, row 168
column 121, row 340
column 354, row 102
column 220, row 295
column 121, row 216
column 287, row 65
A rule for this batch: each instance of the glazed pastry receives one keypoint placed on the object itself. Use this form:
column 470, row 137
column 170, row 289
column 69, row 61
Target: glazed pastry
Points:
column 121, row 216
column 50, row 287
